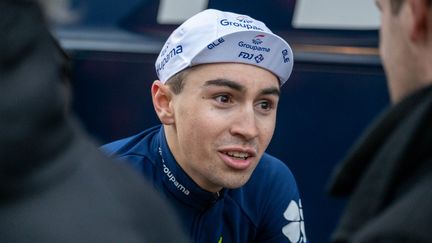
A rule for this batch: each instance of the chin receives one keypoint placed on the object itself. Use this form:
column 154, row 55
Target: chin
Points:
column 234, row 184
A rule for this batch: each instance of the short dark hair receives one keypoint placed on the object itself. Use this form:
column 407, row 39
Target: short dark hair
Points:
column 396, row 5
column 176, row 82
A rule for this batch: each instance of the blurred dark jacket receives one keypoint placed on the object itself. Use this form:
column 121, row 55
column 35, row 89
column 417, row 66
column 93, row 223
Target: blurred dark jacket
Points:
column 55, row 186
column 388, row 176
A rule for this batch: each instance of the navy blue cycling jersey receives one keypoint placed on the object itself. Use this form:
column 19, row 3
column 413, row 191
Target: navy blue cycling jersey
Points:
column 266, row 209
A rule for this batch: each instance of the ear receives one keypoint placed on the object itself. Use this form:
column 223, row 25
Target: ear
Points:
column 161, row 97
column 420, row 19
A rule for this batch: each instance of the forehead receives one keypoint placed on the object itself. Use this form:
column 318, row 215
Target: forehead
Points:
column 245, row 74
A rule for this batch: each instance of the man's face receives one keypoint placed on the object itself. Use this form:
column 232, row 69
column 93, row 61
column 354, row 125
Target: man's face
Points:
column 224, row 120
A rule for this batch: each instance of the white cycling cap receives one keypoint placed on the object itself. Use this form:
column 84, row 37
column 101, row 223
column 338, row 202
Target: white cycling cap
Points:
column 214, row 36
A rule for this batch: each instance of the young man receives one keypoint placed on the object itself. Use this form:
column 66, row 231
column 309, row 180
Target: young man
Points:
column 219, row 83
column 389, row 172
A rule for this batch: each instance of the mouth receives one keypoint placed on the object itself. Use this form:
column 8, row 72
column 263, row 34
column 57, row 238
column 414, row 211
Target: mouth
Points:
column 237, row 159
column 238, row 155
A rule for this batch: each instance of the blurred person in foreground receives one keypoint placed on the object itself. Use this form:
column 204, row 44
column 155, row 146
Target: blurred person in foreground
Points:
column 55, row 186
column 388, row 174
column 220, row 75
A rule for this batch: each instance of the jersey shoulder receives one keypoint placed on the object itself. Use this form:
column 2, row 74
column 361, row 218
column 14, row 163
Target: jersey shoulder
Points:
column 138, row 144
column 272, row 171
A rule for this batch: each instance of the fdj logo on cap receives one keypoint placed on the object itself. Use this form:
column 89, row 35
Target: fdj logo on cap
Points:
column 259, row 58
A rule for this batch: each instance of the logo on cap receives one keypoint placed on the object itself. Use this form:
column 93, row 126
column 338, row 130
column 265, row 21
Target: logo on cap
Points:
column 245, row 55
column 164, row 59
column 259, row 58
column 244, row 19
column 285, row 55
column 257, row 40
column 254, row 47
column 244, row 23
column 215, row 43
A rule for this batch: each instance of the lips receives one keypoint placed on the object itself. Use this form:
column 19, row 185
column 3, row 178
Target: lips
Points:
column 238, row 155
column 238, row 159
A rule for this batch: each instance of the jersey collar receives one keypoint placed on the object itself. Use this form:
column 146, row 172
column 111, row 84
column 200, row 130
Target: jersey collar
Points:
column 178, row 183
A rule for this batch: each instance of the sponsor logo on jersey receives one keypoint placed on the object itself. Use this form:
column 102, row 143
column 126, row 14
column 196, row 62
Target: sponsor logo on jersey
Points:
column 171, row 176
column 295, row 229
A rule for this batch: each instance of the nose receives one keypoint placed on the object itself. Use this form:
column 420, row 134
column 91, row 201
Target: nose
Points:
column 245, row 124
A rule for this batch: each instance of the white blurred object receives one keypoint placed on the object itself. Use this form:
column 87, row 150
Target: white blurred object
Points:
column 336, row 14
column 177, row 11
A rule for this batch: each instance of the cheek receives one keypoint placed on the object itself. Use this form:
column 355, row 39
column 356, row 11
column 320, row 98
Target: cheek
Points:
column 194, row 126
column 267, row 132
column 387, row 44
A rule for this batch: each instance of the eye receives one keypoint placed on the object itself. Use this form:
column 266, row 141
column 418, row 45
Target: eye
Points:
column 265, row 105
column 224, row 98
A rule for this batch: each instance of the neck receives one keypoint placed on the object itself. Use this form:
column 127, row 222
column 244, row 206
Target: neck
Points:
column 417, row 75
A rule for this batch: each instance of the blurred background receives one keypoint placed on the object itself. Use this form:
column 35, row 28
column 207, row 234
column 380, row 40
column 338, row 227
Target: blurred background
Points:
column 337, row 87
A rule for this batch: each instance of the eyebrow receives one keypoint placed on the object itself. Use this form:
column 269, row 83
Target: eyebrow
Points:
column 238, row 87
column 226, row 83
column 271, row 91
